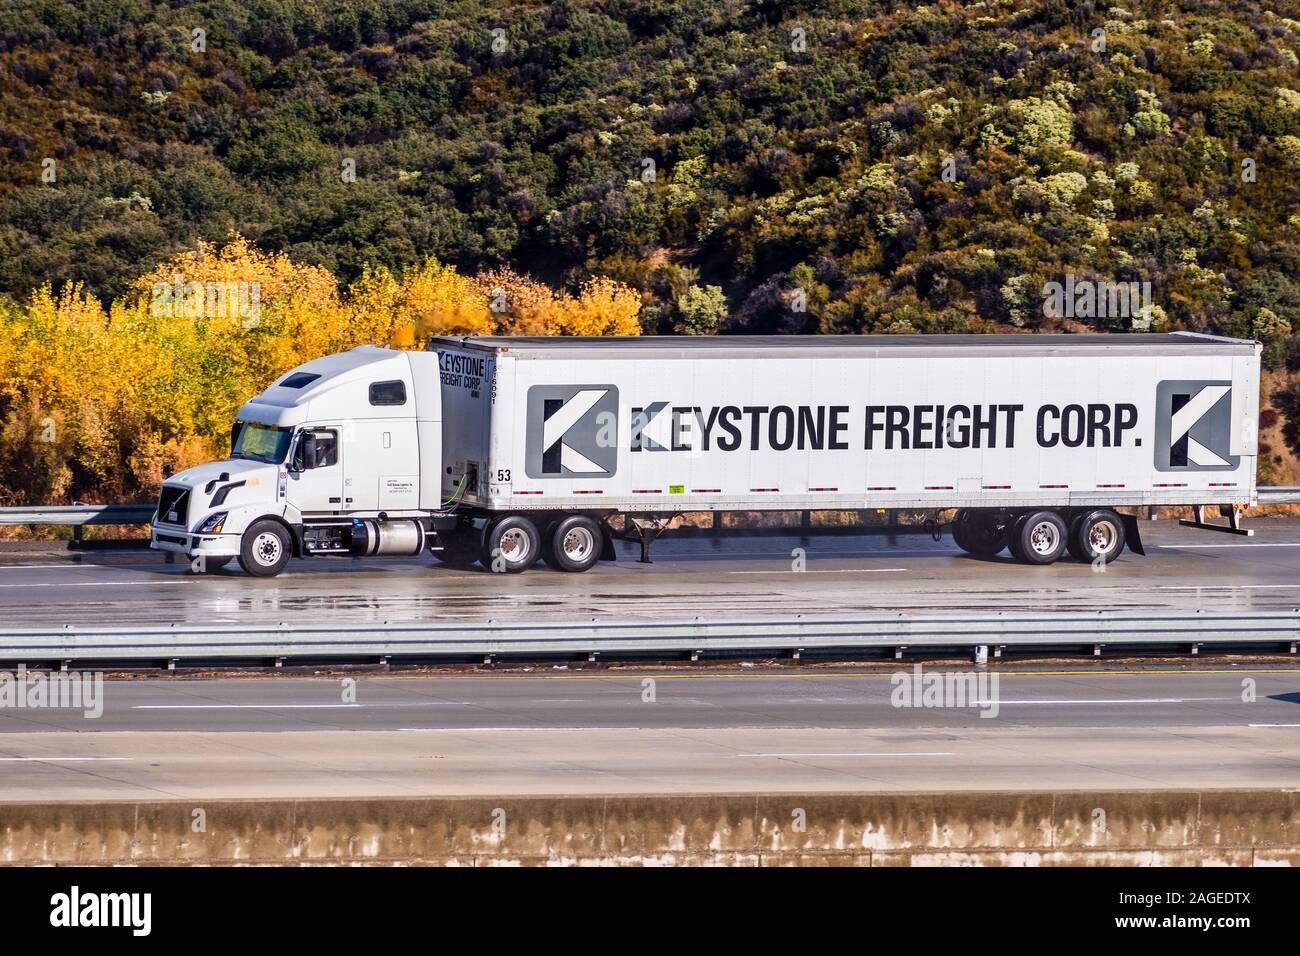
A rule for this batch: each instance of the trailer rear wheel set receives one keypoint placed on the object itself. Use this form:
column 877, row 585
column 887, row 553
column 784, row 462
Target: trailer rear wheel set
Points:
column 513, row 543
column 1094, row 535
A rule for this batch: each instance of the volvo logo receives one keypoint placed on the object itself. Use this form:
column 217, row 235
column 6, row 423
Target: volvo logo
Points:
column 1194, row 426
column 572, row 431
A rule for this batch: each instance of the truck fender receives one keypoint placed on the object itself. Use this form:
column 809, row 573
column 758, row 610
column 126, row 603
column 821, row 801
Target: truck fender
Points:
column 1132, row 536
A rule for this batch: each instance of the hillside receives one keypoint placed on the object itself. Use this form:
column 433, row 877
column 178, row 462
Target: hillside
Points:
column 741, row 166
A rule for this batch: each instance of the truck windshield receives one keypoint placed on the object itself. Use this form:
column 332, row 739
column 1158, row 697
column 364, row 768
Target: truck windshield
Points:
column 261, row 442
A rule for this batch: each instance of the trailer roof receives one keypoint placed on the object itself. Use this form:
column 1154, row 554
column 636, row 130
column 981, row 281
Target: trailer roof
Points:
column 789, row 345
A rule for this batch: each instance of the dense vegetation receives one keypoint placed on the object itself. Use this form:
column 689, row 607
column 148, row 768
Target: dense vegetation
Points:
column 743, row 166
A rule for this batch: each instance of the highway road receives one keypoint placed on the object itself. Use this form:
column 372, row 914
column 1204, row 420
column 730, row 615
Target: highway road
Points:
column 833, row 729
column 737, row 576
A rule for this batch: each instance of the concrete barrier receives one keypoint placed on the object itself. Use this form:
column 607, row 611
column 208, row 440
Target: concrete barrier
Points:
column 1233, row 827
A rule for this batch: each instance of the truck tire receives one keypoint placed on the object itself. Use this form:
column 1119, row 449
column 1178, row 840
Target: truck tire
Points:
column 1099, row 535
column 265, row 549
column 959, row 529
column 1041, row 537
column 983, row 533
column 575, row 544
column 510, row 545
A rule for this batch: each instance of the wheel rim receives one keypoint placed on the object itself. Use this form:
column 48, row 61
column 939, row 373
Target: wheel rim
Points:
column 578, row 543
column 515, row 545
column 267, row 548
column 1045, row 537
column 1102, row 537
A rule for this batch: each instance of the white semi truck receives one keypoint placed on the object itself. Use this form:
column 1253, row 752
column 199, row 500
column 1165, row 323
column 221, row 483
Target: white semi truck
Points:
column 504, row 450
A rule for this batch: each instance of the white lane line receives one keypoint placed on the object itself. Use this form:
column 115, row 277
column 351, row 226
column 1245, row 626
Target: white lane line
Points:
column 57, row 759
column 1253, row 544
column 1122, row 700
column 47, row 567
column 825, row 571
column 177, row 579
column 244, row 706
column 493, row 730
column 939, row 753
column 1273, row 725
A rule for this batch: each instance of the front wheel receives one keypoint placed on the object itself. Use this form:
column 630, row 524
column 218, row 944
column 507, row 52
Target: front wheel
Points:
column 265, row 549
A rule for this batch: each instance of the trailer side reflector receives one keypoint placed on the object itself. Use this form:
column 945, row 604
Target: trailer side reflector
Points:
column 1053, row 486
column 764, row 489
column 1171, row 484
column 706, row 491
column 881, row 488
column 1223, row 484
column 997, row 487
column 940, row 488
column 1110, row 486
column 528, row 492
column 823, row 489
column 647, row 491
column 591, row 491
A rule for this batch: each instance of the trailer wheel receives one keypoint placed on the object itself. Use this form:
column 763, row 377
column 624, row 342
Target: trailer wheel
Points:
column 265, row 549
column 959, row 530
column 575, row 544
column 983, row 533
column 511, row 545
column 1041, row 537
column 1099, row 535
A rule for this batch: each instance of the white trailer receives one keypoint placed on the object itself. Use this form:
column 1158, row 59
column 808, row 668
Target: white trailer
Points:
column 504, row 450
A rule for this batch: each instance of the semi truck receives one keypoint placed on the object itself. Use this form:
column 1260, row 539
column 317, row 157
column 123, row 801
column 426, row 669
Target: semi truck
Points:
column 500, row 451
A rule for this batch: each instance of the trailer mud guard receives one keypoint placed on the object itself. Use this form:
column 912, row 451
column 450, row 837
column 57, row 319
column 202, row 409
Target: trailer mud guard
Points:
column 1132, row 535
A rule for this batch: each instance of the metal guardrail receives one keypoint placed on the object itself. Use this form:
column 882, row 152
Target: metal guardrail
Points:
column 372, row 642
column 78, row 515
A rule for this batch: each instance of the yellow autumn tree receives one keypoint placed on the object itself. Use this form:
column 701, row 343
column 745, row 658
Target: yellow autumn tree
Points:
column 94, row 400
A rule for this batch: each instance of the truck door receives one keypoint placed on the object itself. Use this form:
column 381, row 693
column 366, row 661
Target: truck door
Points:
column 316, row 478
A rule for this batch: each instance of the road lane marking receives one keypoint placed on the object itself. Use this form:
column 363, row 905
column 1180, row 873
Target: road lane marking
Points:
column 1273, row 725
column 1253, row 544
column 243, row 706
column 493, row 730
column 824, row 571
column 939, row 753
column 57, row 759
column 1122, row 700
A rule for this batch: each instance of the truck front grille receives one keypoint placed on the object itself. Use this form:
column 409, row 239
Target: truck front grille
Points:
column 173, row 506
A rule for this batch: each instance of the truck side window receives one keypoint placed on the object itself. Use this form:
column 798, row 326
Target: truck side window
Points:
column 387, row 393
column 327, row 449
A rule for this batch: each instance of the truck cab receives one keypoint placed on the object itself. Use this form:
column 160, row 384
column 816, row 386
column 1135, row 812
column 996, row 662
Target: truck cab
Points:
column 327, row 460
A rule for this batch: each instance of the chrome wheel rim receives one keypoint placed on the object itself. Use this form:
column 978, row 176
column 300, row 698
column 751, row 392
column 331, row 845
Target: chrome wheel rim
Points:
column 578, row 543
column 515, row 545
column 1044, row 537
column 267, row 548
column 1102, row 537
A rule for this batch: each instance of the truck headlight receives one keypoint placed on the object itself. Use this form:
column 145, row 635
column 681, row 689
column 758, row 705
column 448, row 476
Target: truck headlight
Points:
column 213, row 524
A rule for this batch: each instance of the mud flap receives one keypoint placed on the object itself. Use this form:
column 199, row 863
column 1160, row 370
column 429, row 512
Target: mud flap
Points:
column 607, row 550
column 1132, row 534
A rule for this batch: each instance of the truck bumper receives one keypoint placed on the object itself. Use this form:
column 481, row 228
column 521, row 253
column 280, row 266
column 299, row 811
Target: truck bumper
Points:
column 192, row 545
